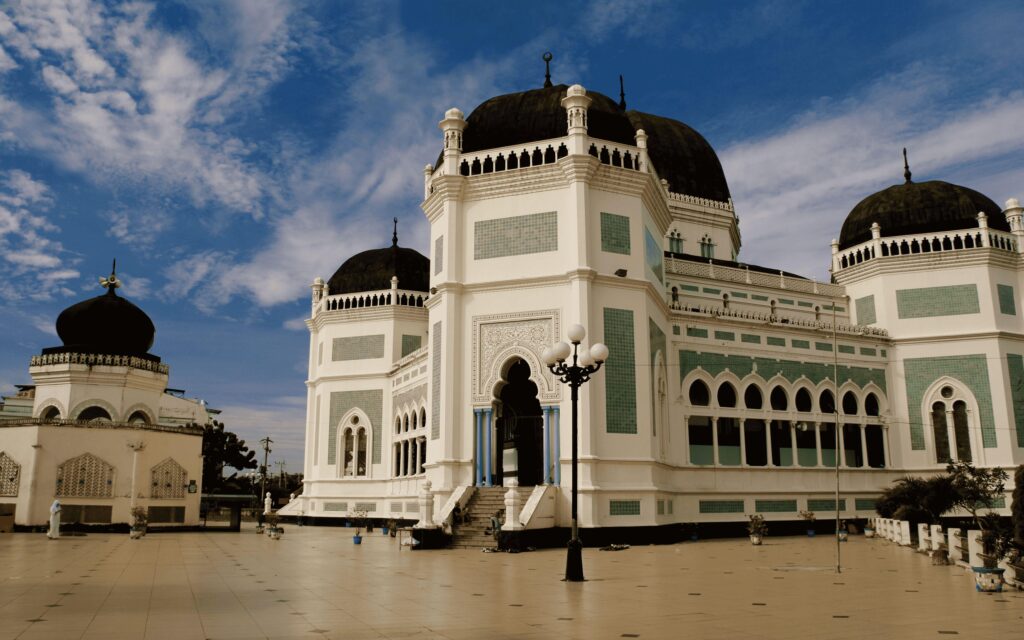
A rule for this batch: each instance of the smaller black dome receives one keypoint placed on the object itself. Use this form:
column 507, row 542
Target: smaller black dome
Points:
column 372, row 270
column 106, row 324
column 919, row 207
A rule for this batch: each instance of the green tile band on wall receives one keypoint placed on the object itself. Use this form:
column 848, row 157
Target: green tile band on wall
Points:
column 438, row 254
column 614, row 233
column 1007, row 305
column 689, row 287
column 725, row 335
column 801, row 303
column 786, row 301
column 336, row 506
column 435, row 383
column 800, row 344
column 775, row 506
column 775, row 342
column 675, row 329
column 865, row 310
column 515, row 235
column 750, row 339
column 721, row 506
column 661, row 507
column 934, row 302
column 623, row 507
column 823, row 346
column 759, row 298
column 654, row 257
column 696, row 332
column 410, row 344
column 738, row 294
column 620, row 371
column 712, row 291
column 864, row 504
column 868, row 351
column 370, row 402
column 846, row 348
column 1015, row 365
column 767, row 368
column 358, row 348
column 825, row 504
column 971, row 370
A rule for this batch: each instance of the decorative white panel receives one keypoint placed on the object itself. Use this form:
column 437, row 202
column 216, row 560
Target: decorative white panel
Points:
column 10, row 476
column 85, row 476
column 497, row 338
column 170, row 481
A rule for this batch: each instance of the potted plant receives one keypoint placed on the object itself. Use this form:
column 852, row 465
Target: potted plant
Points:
column 808, row 517
column 995, row 544
column 359, row 519
column 843, row 533
column 869, row 530
column 757, row 528
column 274, row 531
column 139, row 519
column 978, row 489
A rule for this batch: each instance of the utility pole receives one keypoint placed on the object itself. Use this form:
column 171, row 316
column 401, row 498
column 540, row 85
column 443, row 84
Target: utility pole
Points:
column 266, row 442
column 280, row 472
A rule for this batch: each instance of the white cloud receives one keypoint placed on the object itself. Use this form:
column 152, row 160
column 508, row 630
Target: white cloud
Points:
column 813, row 172
column 137, row 228
column 284, row 420
column 295, row 324
column 6, row 62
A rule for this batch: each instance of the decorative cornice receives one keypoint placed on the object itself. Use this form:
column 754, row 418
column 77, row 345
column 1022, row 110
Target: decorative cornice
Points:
column 98, row 359
column 188, row 430
column 883, row 265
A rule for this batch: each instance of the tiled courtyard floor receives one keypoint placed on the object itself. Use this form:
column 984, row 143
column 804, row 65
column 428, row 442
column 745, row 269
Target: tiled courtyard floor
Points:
column 314, row 583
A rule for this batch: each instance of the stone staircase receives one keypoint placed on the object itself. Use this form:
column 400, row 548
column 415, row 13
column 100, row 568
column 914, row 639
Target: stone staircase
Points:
column 476, row 534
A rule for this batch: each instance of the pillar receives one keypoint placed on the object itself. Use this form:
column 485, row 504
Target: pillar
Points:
column 489, row 452
column 426, row 500
column 951, row 435
column 547, row 445
column 512, row 507
column 478, row 463
column 558, row 444
column 686, row 440
column 841, row 445
column 714, row 439
column 792, row 445
column 769, row 440
column 743, row 442
column 863, row 446
column 817, row 442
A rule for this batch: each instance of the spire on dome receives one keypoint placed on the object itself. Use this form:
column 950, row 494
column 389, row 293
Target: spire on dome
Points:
column 622, row 93
column 111, row 282
column 906, row 166
column 547, row 68
column 394, row 235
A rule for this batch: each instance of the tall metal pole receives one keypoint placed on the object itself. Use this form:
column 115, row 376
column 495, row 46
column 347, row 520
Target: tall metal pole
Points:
column 266, row 442
column 838, row 427
column 574, row 558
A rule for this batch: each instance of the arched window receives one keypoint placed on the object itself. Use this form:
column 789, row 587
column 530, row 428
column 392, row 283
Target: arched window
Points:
column 850, row 403
column 826, row 402
column 700, row 396
column 803, row 400
column 348, row 455
column 415, row 419
column 940, row 432
column 752, row 398
column 405, row 423
column 726, row 395
column 779, row 400
column 50, row 414
column 423, row 418
column 138, row 417
column 871, row 405
column 361, row 452
column 725, row 300
column 94, row 413
column 398, row 424
column 961, row 431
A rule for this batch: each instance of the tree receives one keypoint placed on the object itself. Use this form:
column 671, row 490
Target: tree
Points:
column 975, row 488
column 222, row 448
column 918, row 499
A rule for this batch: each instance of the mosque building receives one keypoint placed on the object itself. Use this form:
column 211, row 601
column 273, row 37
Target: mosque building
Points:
column 730, row 388
column 98, row 430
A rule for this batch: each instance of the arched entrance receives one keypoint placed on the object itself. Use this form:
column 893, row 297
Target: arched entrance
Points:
column 520, row 428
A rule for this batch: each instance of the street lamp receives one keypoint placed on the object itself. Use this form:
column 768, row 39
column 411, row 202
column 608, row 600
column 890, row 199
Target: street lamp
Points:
column 575, row 375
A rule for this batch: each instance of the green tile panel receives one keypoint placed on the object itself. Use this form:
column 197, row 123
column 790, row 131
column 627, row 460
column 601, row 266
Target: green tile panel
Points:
column 435, row 383
column 791, row 370
column 438, row 254
column 750, row 339
column 759, row 298
column 738, row 294
column 725, row 335
column 775, row 506
column 775, row 342
column 800, row 344
column 721, row 506
column 864, row 504
column 825, row 504
column 623, row 507
column 713, row 292
column 802, row 303
column 1015, row 365
column 696, row 332
column 847, row 348
column 370, row 402
column 654, row 256
column 884, row 354
column 689, row 287
column 933, row 302
column 661, row 507
column 620, row 371
column 614, row 233
column 1007, row 305
column 410, row 344
column 786, row 301
column 823, row 346
column 336, row 506
column 675, row 329
column 865, row 310
column 868, row 351
column 515, row 235
column 971, row 370
column 358, row 348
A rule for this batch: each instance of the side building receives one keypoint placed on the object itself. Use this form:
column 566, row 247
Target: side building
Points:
column 730, row 388
column 98, row 429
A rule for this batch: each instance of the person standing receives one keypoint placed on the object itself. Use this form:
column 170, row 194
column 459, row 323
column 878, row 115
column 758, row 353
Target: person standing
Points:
column 54, row 531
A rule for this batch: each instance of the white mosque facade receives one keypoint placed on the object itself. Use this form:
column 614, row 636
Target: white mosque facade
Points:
column 730, row 389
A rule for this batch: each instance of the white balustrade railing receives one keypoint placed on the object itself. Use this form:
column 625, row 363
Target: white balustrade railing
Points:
column 748, row 276
column 739, row 314
column 959, row 240
column 382, row 298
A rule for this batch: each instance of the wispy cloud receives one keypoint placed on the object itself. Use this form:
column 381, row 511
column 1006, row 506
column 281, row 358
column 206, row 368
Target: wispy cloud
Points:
column 283, row 419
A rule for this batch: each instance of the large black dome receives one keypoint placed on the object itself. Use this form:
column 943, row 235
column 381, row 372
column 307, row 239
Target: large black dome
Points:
column 919, row 207
column 106, row 324
column 681, row 155
column 372, row 270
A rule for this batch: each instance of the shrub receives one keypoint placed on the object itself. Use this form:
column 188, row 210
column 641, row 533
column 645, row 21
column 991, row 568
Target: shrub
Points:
column 1017, row 507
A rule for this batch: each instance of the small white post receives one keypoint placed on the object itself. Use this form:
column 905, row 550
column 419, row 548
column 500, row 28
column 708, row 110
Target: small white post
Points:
column 512, row 508
column 426, row 500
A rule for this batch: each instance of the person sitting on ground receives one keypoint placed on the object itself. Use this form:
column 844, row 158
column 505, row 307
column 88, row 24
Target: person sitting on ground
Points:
column 496, row 524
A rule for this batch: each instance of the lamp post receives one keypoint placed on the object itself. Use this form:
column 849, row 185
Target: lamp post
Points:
column 575, row 375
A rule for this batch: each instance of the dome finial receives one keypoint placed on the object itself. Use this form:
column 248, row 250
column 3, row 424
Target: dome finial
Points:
column 906, row 166
column 112, row 282
column 547, row 68
column 622, row 93
column 394, row 234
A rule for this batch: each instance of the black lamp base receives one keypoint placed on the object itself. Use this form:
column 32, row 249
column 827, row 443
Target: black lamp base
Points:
column 574, row 561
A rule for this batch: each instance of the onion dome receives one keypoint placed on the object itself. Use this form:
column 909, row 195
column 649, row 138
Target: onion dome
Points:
column 919, row 207
column 372, row 270
column 680, row 154
column 106, row 324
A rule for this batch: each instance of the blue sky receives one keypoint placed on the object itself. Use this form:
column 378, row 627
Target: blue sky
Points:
column 226, row 153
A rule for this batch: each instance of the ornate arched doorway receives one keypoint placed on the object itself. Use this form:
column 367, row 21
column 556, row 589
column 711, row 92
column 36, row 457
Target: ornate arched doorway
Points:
column 520, row 428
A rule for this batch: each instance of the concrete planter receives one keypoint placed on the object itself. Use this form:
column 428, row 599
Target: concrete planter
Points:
column 755, row 539
column 987, row 579
column 869, row 532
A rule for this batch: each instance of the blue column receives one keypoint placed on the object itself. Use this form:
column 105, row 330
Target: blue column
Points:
column 478, row 463
column 490, row 450
column 558, row 445
column 547, row 445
